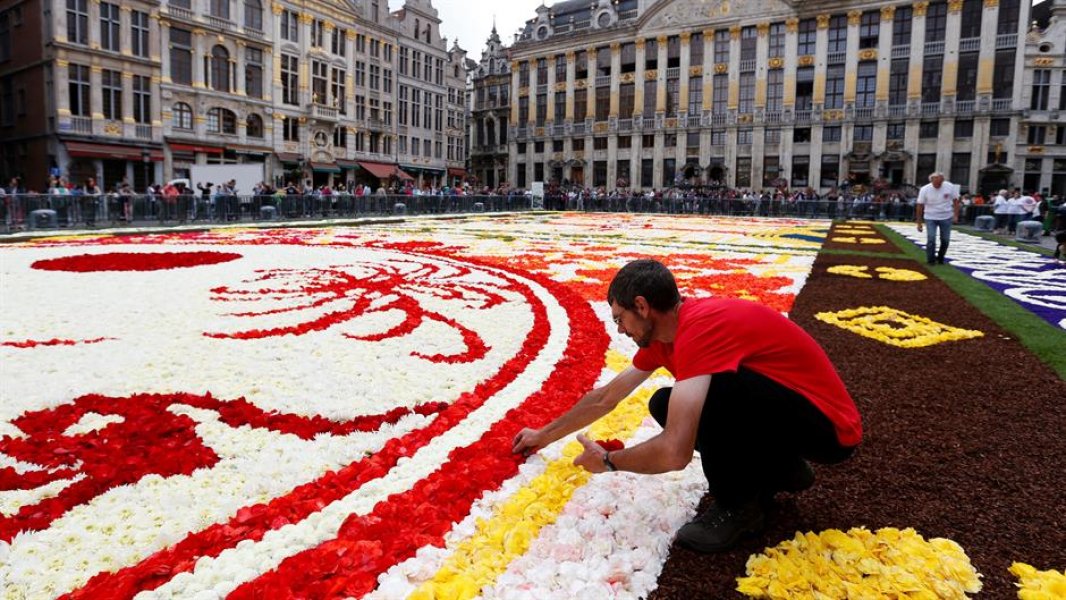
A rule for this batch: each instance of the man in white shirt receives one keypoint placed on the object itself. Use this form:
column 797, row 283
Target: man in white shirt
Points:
column 938, row 208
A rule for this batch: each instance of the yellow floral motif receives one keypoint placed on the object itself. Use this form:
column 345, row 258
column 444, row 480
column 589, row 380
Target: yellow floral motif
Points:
column 853, row 230
column 857, row 240
column 888, row 563
column 889, row 273
column 895, row 327
column 480, row 559
column 1039, row 585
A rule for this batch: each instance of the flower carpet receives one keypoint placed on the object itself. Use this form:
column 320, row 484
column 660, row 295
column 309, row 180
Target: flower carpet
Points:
column 328, row 412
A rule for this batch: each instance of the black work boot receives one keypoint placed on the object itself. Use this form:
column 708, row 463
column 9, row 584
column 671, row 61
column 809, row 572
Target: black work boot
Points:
column 719, row 529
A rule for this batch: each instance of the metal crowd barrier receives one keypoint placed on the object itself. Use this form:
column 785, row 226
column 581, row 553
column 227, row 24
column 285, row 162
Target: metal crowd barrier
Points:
column 44, row 211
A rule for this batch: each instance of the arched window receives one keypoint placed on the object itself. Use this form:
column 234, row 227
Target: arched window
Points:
column 253, row 126
column 418, row 28
column 221, row 120
column 220, row 72
column 181, row 117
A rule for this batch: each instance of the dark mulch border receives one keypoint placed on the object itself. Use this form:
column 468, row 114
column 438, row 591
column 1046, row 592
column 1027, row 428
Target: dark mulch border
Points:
column 964, row 440
column 886, row 248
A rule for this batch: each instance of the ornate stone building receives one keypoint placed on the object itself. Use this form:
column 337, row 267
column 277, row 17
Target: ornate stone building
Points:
column 490, row 114
column 755, row 93
column 142, row 90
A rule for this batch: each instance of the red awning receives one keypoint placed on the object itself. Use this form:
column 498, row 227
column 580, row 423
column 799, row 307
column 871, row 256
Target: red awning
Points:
column 379, row 170
column 454, row 172
column 403, row 174
column 91, row 150
column 195, row 148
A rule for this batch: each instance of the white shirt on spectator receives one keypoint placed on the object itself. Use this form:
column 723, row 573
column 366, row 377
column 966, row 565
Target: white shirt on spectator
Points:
column 939, row 202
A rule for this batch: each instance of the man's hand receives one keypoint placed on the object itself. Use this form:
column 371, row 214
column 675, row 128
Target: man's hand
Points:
column 528, row 441
column 591, row 459
column 920, row 226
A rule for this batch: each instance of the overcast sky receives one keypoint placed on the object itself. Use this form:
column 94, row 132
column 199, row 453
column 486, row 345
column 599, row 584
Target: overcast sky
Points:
column 470, row 21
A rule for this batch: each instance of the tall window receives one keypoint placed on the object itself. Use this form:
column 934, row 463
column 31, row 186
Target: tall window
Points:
column 932, row 72
column 319, row 82
column 626, row 100
column 181, row 56
column 897, row 82
column 375, row 77
column 290, row 26
column 290, row 79
column 775, row 89
column 747, row 92
column 253, row 126
column 220, row 69
column 650, row 91
column 560, row 68
column 253, row 72
column 220, row 120
column 866, row 84
column 523, row 72
column 253, row 15
column 338, row 41
column 673, row 93
column 1003, row 74
column 318, row 33
column 603, row 62
column 560, row 106
column 78, row 21
column 869, row 29
column 748, row 40
column 220, row 9
column 139, row 33
column 901, row 26
column 721, row 46
column 804, row 88
column 673, row 52
column 78, row 87
column 777, row 40
column 403, row 60
column 1041, row 89
column 181, row 116
column 629, row 57
column 838, row 33
column 651, row 55
column 695, row 96
column 719, row 93
column 110, row 27
column 966, row 87
column 523, row 109
column 806, row 37
column 1062, row 96
column 142, row 99
column 603, row 102
column 337, row 89
column 1008, row 16
column 581, row 65
column 542, row 109
column 360, row 73
column 111, row 88
column 542, row 71
column 402, row 117
column 695, row 50
column 834, row 87
column 290, row 129
column 936, row 22
column 971, row 19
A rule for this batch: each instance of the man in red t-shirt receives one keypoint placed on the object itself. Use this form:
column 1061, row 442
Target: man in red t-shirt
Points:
column 754, row 393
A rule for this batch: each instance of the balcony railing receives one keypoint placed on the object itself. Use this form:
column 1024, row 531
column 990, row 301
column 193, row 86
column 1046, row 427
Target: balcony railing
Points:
column 220, row 23
column 718, row 119
column 803, row 116
column 1006, row 40
column 673, row 72
column 897, row 110
column 143, row 132
column 693, row 120
column 970, row 44
column 746, row 66
column 930, row 109
column 901, row 51
column 934, row 48
column 256, row 33
column 81, row 125
column 321, row 111
column 835, row 58
column 542, row 88
column 182, row 13
column 999, row 104
column 965, row 107
column 864, row 112
column 626, row 15
column 603, row 80
column 772, row 116
column 625, row 124
column 579, row 128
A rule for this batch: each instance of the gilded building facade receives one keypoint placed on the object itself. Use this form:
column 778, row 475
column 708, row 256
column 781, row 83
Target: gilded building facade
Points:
column 758, row 93
column 144, row 90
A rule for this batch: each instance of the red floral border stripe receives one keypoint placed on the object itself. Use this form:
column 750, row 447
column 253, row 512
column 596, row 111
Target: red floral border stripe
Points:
column 254, row 521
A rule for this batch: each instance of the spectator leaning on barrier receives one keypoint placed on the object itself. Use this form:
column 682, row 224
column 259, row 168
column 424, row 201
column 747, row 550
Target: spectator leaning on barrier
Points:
column 938, row 209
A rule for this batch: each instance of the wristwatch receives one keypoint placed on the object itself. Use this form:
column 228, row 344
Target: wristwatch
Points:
column 607, row 462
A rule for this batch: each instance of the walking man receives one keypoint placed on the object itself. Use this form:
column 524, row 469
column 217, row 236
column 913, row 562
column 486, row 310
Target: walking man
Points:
column 938, row 208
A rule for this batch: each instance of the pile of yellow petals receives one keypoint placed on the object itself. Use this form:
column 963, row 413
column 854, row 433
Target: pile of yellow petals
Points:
column 1039, row 585
column 861, row 565
column 857, row 240
column 888, row 273
column 895, row 327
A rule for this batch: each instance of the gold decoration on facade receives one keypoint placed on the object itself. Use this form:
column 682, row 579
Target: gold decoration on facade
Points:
column 600, row 127
column 805, row 61
column 762, row 29
column 792, row 24
column 720, row 68
column 616, row 47
column 538, row 132
column 744, row 118
column 277, row 8
column 628, row 78
column 560, row 86
column 888, row 13
column 695, row 71
column 639, row 42
column 833, row 115
column 868, row 54
column 991, row 3
column 954, row 6
column 776, row 63
column 734, row 32
column 823, row 21
column 113, row 128
column 920, row 8
column 307, row 18
column 651, row 74
column 662, row 39
column 523, row 91
column 671, row 123
column 708, row 35
column 854, row 17
column 686, row 36
column 1043, row 61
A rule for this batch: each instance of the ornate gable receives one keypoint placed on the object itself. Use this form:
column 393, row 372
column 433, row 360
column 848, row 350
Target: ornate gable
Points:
column 676, row 14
